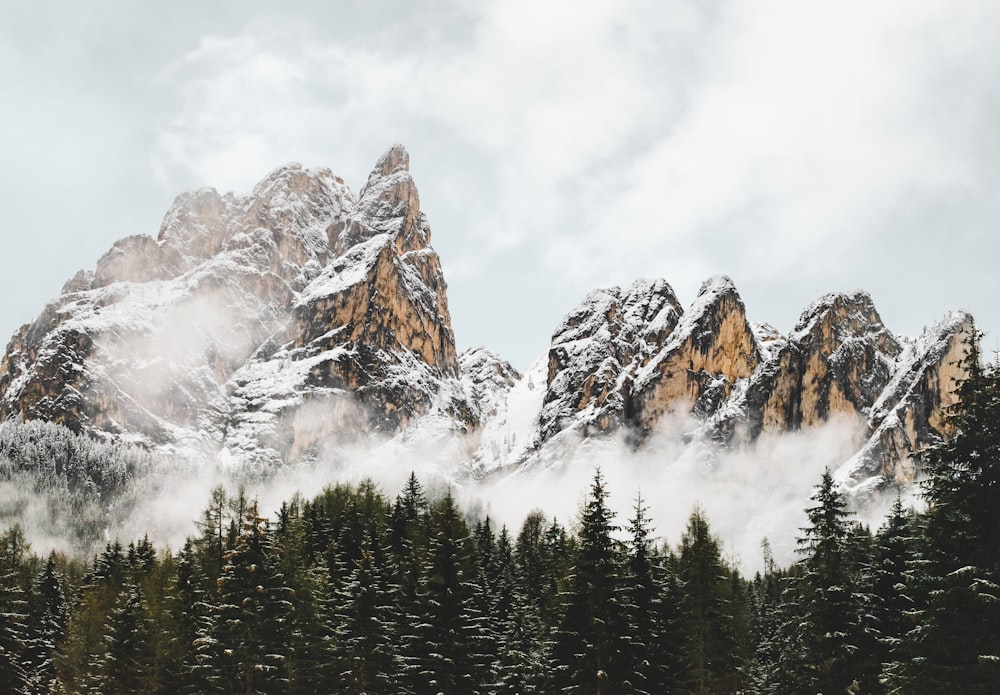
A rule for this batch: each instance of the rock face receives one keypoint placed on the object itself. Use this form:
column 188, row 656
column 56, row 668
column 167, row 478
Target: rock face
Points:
column 246, row 317
column 281, row 324
column 631, row 361
column 596, row 351
column 711, row 348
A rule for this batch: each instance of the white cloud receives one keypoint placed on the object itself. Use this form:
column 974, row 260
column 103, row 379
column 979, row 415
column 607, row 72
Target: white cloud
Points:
column 605, row 141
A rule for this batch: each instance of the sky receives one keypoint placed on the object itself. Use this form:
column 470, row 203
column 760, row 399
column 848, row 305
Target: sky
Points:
column 558, row 147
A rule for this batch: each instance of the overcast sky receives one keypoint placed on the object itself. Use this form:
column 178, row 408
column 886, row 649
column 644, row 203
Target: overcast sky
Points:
column 798, row 147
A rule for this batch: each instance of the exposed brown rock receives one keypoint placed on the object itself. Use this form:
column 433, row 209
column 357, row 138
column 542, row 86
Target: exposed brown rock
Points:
column 711, row 348
column 911, row 413
column 597, row 349
column 837, row 361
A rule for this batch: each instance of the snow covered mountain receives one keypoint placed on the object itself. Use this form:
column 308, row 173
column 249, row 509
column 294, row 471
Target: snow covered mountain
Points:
column 273, row 327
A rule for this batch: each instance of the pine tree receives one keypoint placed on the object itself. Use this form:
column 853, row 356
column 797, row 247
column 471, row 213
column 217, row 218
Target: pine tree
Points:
column 47, row 618
column 955, row 579
column 706, row 611
column 764, row 598
column 586, row 652
column 13, row 611
column 642, row 595
column 365, row 631
column 191, row 611
column 826, row 596
column 128, row 660
column 449, row 656
column 407, row 543
column 248, row 647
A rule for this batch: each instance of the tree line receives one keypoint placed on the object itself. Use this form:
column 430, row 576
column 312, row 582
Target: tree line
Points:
column 353, row 592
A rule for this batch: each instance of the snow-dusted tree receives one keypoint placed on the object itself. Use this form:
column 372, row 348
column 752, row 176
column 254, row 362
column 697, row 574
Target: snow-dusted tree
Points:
column 448, row 651
column 587, row 649
column 707, row 622
column 828, row 604
column 364, row 635
column 642, row 592
column 955, row 579
column 248, row 647
column 47, row 618
column 13, row 611
column 127, row 663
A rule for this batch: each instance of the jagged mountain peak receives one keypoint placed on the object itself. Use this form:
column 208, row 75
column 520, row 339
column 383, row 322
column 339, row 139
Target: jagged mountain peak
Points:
column 295, row 294
column 393, row 160
column 273, row 323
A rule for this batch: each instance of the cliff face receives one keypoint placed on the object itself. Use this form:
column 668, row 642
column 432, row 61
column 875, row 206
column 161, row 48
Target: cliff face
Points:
column 720, row 379
column 596, row 351
column 245, row 309
column 283, row 323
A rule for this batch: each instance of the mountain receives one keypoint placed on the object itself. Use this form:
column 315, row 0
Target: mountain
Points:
column 265, row 324
column 275, row 327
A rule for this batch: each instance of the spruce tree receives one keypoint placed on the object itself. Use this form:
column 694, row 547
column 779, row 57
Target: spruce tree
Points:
column 587, row 650
column 249, row 646
column 13, row 612
column 825, row 595
column 46, row 623
column 710, row 648
column 365, row 632
column 128, row 660
column 642, row 596
column 955, row 577
column 448, row 649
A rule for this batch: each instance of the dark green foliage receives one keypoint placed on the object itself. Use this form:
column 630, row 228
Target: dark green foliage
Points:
column 251, row 632
column 348, row 592
column 587, row 648
column 954, row 576
column 13, row 612
column 46, row 627
column 826, row 594
column 711, row 655
column 129, row 655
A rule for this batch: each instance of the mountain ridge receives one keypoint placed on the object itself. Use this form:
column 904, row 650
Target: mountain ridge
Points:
column 279, row 325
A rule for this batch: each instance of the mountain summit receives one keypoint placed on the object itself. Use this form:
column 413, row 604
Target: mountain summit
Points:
column 274, row 324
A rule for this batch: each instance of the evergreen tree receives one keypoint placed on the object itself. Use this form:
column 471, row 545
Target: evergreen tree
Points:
column 365, row 634
column 13, row 611
column 764, row 599
column 127, row 663
column 449, row 652
column 955, row 579
column 706, row 611
column 586, row 652
column 249, row 646
column 642, row 595
column 191, row 612
column 46, row 623
column 826, row 597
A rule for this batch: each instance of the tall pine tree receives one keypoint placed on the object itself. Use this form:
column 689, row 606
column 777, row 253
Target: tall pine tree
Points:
column 955, row 580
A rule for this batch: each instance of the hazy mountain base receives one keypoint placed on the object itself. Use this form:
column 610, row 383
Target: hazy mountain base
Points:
column 72, row 493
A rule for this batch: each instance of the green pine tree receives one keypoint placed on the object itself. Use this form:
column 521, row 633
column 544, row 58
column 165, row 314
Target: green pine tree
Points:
column 587, row 649
column 955, row 576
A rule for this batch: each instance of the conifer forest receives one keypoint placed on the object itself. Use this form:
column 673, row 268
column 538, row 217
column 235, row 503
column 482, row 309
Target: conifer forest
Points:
column 353, row 591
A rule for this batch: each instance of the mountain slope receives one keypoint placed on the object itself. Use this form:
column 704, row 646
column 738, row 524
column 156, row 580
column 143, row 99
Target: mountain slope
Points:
column 278, row 326
column 244, row 311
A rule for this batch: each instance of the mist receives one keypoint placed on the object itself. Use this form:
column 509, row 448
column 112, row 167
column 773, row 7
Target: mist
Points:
column 748, row 494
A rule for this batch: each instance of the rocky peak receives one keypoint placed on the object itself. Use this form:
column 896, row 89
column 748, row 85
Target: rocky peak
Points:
column 244, row 300
column 197, row 223
column 911, row 411
column 393, row 160
column 488, row 378
column 837, row 360
column 596, row 349
column 388, row 203
column 711, row 347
